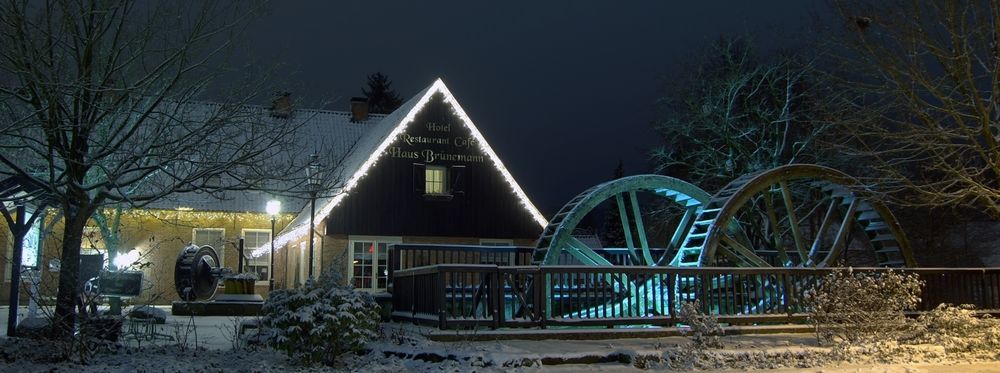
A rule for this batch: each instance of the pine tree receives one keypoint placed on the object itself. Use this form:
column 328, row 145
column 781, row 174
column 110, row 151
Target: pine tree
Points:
column 382, row 99
column 613, row 234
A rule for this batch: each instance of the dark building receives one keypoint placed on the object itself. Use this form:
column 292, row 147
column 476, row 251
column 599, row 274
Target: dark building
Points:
column 422, row 174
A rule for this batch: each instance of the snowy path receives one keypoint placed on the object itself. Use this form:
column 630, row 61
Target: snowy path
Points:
column 406, row 348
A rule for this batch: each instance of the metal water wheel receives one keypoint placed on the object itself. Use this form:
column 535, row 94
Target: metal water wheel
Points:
column 797, row 215
column 623, row 195
column 790, row 216
column 679, row 203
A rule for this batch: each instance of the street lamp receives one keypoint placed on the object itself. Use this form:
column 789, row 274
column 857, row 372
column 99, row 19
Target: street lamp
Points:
column 273, row 208
column 315, row 177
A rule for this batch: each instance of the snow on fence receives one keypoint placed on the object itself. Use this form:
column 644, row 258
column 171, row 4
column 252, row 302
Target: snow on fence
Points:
column 464, row 295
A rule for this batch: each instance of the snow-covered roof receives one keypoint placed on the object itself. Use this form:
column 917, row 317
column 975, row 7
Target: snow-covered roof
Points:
column 330, row 134
column 372, row 145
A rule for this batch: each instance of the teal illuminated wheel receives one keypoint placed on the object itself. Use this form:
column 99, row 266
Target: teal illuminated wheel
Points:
column 797, row 215
column 623, row 194
column 677, row 202
column 789, row 216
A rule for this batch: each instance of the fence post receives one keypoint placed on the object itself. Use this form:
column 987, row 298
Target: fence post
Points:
column 442, row 313
column 542, row 298
column 982, row 290
column 705, row 296
column 413, row 295
column 787, row 286
column 496, row 296
column 671, row 295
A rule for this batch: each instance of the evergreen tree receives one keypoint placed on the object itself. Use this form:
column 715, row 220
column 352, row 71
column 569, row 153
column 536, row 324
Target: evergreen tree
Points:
column 382, row 99
column 613, row 234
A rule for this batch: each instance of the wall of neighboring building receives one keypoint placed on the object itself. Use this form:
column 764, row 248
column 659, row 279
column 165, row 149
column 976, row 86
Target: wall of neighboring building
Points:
column 50, row 240
column 158, row 237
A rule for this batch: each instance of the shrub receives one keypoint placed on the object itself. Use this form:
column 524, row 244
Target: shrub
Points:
column 320, row 321
column 862, row 307
column 959, row 329
column 705, row 328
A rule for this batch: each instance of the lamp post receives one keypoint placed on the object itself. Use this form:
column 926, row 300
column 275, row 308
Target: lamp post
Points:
column 313, row 174
column 273, row 208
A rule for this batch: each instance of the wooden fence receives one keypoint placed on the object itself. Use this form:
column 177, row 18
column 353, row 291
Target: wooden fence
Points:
column 406, row 256
column 462, row 296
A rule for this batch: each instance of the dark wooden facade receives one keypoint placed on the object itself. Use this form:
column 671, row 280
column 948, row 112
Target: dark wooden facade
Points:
column 391, row 200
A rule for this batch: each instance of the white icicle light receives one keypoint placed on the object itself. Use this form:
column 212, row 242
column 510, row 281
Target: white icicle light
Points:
column 438, row 86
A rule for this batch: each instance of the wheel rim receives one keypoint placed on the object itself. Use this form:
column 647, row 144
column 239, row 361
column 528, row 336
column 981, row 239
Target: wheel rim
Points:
column 842, row 206
column 557, row 237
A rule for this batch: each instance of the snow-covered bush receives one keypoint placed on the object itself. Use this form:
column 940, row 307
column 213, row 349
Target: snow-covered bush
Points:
column 705, row 328
column 320, row 321
column 862, row 307
column 249, row 276
column 959, row 329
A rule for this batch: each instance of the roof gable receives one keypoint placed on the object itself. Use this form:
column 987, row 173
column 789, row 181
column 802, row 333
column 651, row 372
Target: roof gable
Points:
column 372, row 146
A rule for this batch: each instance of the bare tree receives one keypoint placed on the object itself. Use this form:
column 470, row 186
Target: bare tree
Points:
column 97, row 103
column 738, row 113
column 924, row 74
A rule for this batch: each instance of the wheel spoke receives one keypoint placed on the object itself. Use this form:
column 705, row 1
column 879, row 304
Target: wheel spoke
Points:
column 746, row 255
column 772, row 217
column 640, row 228
column 626, row 230
column 841, row 240
column 729, row 253
column 682, row 229
column 823, row 227
column 793, row 221
column 584, row 253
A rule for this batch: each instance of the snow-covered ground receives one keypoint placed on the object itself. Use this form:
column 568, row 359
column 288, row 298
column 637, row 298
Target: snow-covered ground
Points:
column 406, row 348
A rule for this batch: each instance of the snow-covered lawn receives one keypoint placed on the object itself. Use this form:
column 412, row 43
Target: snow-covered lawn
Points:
column 405, row 348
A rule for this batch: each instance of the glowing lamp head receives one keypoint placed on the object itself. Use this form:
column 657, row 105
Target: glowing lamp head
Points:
column 273, row 207
column 125, row 260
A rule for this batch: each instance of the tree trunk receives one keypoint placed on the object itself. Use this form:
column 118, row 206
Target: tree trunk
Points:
column 69, row 272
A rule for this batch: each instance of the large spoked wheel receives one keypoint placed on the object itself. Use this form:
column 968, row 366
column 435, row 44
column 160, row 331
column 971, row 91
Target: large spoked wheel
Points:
column 624, row 194
column 193, row 278
column 678, row 202
column 797, row 215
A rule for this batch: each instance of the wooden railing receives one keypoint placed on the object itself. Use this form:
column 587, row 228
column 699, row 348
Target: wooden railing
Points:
column 406, row 256
column 457, row 296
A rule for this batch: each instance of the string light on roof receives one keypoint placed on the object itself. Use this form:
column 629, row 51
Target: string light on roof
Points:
column 438, row 87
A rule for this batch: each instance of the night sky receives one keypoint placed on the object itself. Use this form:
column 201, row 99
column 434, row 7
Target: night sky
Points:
column 561, row 90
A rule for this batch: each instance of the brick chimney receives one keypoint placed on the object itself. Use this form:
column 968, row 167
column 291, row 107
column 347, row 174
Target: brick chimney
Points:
column 281, row 106
column 359, row 109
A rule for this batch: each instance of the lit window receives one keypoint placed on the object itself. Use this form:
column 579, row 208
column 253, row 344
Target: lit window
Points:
column 370, row 263
column 212, row 237
column 261, row 265
column 434, row 178
column 29, row 252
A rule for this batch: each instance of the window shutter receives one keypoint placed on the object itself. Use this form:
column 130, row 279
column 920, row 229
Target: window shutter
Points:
column 457, row 179
column 419, row 173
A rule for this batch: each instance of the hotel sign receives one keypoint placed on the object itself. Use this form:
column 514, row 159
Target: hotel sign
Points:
column 435, row 142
